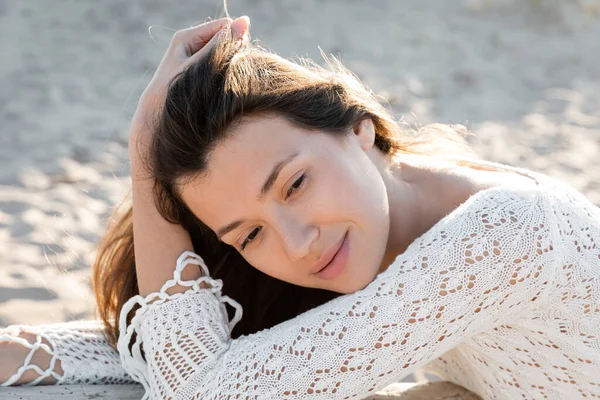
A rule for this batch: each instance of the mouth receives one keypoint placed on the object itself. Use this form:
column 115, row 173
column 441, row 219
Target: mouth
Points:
column 337, row 260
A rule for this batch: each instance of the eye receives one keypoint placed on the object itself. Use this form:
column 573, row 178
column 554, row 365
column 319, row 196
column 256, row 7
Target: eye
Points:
column 251, row 237
column 295, row 186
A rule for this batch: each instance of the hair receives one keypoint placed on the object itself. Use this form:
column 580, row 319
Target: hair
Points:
column 202, row 107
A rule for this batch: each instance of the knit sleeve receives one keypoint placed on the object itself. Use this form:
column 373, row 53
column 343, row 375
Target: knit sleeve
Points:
column 489, row 261
column 69, row 353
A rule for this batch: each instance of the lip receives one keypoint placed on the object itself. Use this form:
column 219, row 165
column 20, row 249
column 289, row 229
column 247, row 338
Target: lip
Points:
column 337, row 261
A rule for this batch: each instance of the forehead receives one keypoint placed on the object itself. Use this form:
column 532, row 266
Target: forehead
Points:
column 258, row 141
column 239, row 165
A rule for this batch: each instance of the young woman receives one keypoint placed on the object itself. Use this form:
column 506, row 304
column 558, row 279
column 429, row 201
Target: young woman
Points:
column 357, row 254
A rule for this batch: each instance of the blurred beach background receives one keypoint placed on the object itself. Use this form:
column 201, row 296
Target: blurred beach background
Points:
column 523, row 76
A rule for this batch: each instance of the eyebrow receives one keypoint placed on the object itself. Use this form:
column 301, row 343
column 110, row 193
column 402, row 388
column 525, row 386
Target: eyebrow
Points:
column 267, row 186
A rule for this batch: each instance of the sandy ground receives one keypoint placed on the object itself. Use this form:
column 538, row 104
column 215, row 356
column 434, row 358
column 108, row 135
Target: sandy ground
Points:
column 522, row 75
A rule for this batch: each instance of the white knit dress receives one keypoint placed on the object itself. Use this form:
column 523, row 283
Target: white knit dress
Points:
column 502, row 296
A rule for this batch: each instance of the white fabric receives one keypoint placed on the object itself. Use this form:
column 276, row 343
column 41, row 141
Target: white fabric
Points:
column 501, row 296
column 84, row 354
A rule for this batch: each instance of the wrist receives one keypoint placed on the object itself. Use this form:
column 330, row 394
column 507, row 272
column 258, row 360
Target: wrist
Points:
column 139, row 144
column 14, row 355
column 149, row 106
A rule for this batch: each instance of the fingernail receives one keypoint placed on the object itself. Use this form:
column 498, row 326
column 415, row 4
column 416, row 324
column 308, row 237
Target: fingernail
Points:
column 240, row 32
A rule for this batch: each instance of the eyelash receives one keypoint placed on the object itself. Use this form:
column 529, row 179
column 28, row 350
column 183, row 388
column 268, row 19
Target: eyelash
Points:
column 295, row 186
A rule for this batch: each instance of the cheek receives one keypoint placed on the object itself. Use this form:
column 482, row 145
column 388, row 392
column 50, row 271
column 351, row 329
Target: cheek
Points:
column 362, row 192
column 272, row 263
column 340, row 190
column 275, row 263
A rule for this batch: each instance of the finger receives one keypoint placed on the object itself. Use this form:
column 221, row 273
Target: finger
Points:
column 239, row 28
column 197, row 37
column 211, row 43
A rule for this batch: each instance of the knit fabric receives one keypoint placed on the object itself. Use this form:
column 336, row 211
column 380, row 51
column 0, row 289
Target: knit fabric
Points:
column 501, row 296
column 84, row 354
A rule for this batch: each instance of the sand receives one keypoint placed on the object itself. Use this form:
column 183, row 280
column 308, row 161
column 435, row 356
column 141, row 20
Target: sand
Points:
column 521, row 75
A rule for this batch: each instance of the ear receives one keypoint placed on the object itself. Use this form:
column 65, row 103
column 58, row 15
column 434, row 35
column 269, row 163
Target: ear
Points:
column 365, row 132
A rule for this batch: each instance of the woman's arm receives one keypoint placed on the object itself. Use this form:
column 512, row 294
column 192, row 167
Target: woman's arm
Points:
column 77, row 352
column 65, row 353
column 489, row 261
column 157, row 242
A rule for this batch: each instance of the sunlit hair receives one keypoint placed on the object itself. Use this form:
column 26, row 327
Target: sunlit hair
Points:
column 203, row 104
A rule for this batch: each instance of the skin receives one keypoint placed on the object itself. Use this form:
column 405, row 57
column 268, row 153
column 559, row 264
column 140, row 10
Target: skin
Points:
column 334, row 188
column 350, row 186
column 336, row 184
column 157, row 242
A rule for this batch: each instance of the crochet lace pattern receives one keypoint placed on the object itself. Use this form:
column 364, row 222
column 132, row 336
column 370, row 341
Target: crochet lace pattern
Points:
column 84, row 353
column 501, row 296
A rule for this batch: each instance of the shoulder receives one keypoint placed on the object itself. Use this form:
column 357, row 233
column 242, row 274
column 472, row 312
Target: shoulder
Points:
column 551, row 204
column 564, row 199
column 517, row 200
column 501, row 213
column 570, row 207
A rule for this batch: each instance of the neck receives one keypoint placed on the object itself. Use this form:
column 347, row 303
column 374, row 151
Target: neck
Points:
column 419, row 196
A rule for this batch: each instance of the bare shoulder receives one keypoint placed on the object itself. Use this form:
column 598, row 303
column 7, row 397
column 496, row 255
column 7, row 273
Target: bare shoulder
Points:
column 476, row 180
column 449, row 184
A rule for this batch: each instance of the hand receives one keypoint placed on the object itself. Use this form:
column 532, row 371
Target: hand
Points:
column 13, row 355
column 186, row 47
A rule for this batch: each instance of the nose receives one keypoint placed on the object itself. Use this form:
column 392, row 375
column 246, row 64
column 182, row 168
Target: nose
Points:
column 297, row 236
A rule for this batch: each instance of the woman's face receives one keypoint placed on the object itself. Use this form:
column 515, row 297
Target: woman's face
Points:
column 287, row 199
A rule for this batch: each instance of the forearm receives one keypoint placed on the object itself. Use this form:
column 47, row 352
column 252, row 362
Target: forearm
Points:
column 14, row 350
column 62, row 353
column 362, row 341
column 157, row 242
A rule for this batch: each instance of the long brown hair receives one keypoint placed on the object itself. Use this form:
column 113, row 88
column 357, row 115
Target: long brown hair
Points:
column 202, row 106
